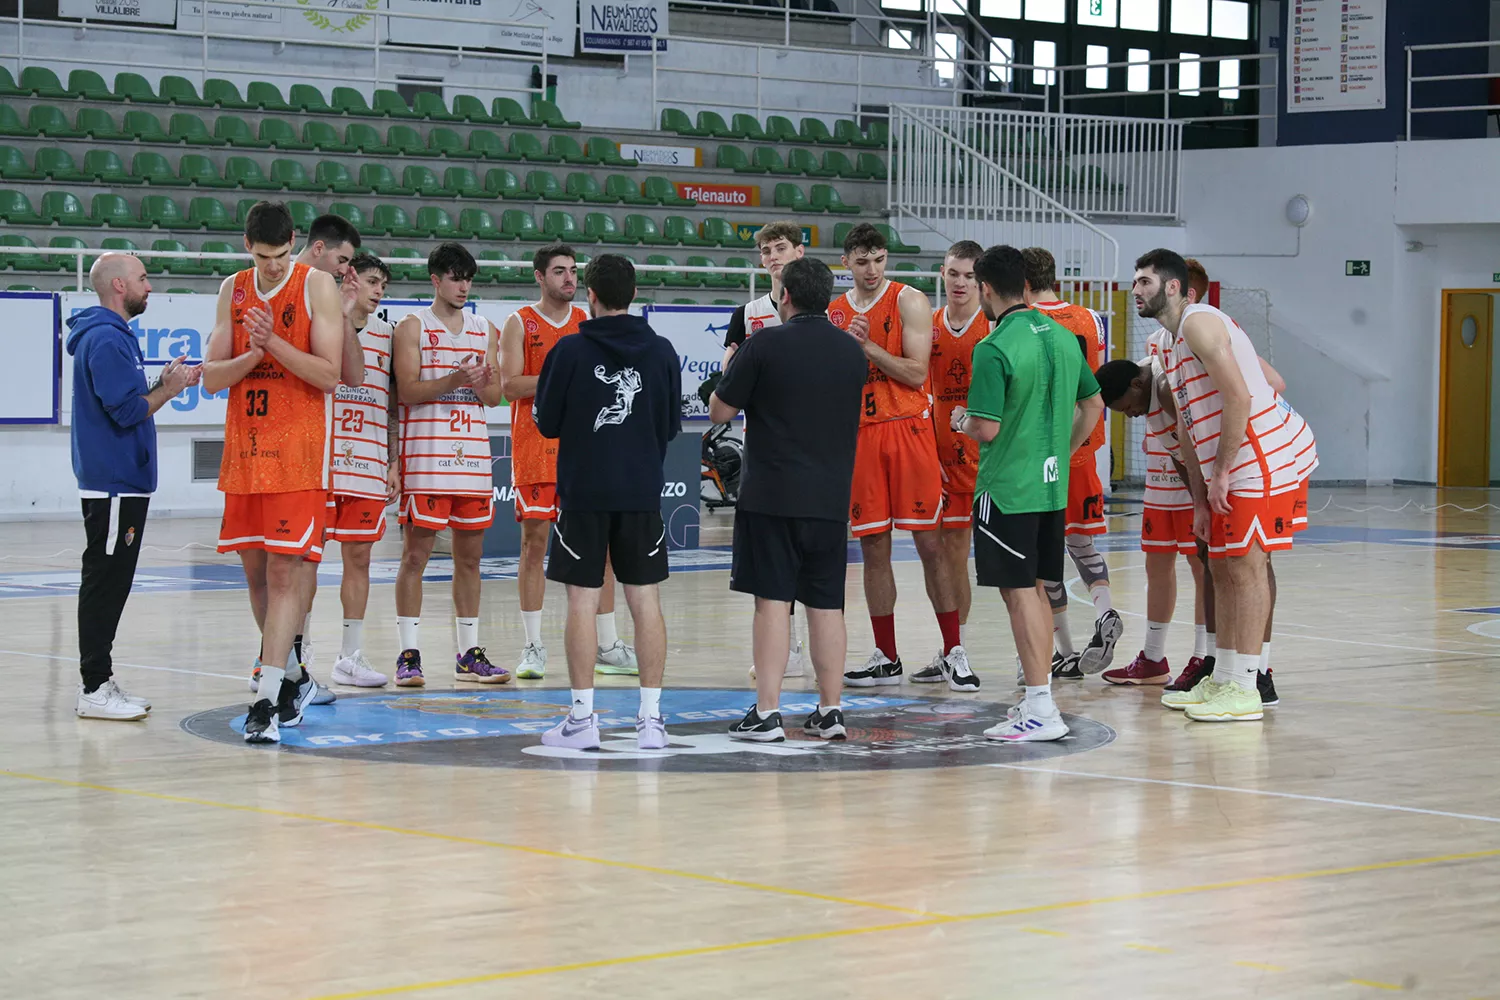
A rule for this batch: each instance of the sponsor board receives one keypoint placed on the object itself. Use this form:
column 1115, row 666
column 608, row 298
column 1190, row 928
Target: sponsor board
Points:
column 662, row 156
column 730, row 195
column 622, row 25
column 747, row 231
column 698, row 334
column 29, row 381
column 535, row 24
column 130, row 11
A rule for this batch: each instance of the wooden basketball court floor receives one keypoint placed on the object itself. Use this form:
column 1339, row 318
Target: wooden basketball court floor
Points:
column 1349, row 846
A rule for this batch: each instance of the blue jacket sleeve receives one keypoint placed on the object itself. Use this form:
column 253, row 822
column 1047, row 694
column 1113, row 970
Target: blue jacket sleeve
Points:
column 118, row 383
column 551, row 393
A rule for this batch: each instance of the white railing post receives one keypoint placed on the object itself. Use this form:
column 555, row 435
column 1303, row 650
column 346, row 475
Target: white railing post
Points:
column 1408, row 93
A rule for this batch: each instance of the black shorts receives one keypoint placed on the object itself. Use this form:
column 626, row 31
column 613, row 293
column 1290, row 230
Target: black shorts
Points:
column 790, row 559
column 1014, row 551
column 635, row 542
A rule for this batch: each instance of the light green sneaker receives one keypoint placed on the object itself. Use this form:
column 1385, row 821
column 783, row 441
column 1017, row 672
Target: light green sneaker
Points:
column 1230, row 703
column 617, row 659
column 533, row 665
column 1201, row 692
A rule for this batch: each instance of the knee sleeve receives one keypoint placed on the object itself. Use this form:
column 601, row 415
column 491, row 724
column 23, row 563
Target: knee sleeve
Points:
column 1056, row 595
column 1090, row 564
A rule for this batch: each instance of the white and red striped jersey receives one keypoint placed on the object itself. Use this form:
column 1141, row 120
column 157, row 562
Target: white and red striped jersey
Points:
column 1165, row 489
column 360, row 444
column 1278, row 452
column 445, row 444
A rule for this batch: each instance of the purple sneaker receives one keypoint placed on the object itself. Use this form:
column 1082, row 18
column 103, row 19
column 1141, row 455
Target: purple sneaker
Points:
column 476, row 667
column 409, row 669
column 575, row 734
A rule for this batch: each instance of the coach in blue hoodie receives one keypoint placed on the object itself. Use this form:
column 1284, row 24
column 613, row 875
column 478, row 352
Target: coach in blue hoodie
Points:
column 114, row 459
column 612, row 397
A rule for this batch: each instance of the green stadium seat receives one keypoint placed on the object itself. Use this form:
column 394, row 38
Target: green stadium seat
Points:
column 63, row 208
column 161, row 212
column 306, row 97
column 551, row 115
column 180, row 91
column 348, row 101
column 719, row 232
column 234, row 130
column 446, row 142
column 661, row 191
column 266, row 96
column 279, row 134
column 222, row 267
column 877, row 136
column 430, row 106
column 136, row 89
column 365, row 139
column 506, row 111
column 152, row 168
column 43, row 83
column 561, row 226
column 780, row 129
column 24, row 261
column 10, row 123
column 519, row 225
column 643, row 229
column 8, row 87
column 68, row 262
column 119, row 244
column 706, row 279
column 467, row 107
column 824, row 198
column 46, row 120
column 392, row 220
column 625, row 190
column 737, row 279
column 814, row 130
column 805, row 162
column 159, row 265
column 478, row 224
column 422, row 182
column 911, row 274
column 652, row 279
column 835, row 164
column 409, row 272
column 581, row 186
column 22, row 288
column 96, row 123
column 544, row 184
column 13, row 165
column 377, row 178
column 791, row 196
column 246, row 173
column 325, row 138
column 15, row 208
column 392, row 105
column 223, row 94
column 489, row 145
column 505, row 184
column 462, row 182
column 330, row 175
column 566, row 147
column 87, row 85
column 674, row 279
column 199, row 170
column 111, row 210
column 407, row 141
column 303, row 214
column 211, row 213
column 713, row 123
column 290, row 175
column 870, row 166
column 601, row 228
column 748, row 126
column 57, row 165
column 607, row 152
column 680, row 229
column 189, row 128
column 848, row 132
column 527, row 147
column 894, row 242
column 189, row 266
column 677, row 120
column 435, row 221
column 733, row 158
column 769, row 158
column 493, row 275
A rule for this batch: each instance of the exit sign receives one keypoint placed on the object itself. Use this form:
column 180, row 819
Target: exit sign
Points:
column 1496, row 278
column 1356, row 269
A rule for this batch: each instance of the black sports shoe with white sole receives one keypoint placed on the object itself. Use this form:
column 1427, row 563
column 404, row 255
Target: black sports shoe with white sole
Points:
column 878, row 671
column 756, row 729
column 827, row 725
column 1267, row 689
column 1101, row 649
column 260, row 723
column 957, row 672
column 293, row 696
column 1066, row 668
column 930, row 674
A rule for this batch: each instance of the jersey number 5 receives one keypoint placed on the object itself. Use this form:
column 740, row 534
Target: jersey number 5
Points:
column 869, row 404
column 255, row 402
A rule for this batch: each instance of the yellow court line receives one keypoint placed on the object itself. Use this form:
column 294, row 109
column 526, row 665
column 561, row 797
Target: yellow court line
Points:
column 1378, row 985
column 1261, row 966
column 1149, row 947
column 1042, row 931
column 476, row 842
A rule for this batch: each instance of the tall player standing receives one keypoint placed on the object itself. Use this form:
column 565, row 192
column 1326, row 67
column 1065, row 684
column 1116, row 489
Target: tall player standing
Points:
column 528, row 335
column 446, row 374
column 898, row 482
column 956, row 329
column 277, row 340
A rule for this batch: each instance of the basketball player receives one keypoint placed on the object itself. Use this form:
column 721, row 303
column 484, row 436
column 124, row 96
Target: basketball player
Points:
column 525, row 340
column 277, row 339
column 446, row 365
column 956, row 329
column 1247, row 454
column 898, row 482
column 365, row 455
column 1085, row 517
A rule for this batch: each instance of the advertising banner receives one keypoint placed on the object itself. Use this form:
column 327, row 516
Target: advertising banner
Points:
column 550, row 22
column 332, row 20
column 747, row 231
column 698, row 334
column 623, row 25
column 731, row 195
column 29, row 377
column 1337, row 56
column 662, row 156
column 128, row 11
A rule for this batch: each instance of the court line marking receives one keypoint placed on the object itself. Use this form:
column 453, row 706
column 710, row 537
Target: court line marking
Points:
column 1401, row 708
column 1323, row 799
column 1378, row 985
column 242, row 678
column 477, row 842
column 1262, row 966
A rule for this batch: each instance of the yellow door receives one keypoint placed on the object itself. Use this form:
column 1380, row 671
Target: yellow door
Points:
column 1464, row 405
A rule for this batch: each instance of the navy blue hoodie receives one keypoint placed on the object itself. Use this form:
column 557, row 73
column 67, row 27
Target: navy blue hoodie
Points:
column 612, row 397
column 114, row 435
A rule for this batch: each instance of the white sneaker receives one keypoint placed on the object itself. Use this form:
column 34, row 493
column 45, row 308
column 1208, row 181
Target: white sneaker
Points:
column 796, row 666
column 107, row 702
column 956, row 671
column 616, row 659
column 651, row 734
column 133, row 699
column 1022, row 725
column 533, row 665
column 356, row 671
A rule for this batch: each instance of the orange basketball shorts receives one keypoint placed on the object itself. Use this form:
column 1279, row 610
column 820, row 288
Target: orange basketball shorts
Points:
column 1262, row 521
column 356, row 519
column 958, row 510
column 536, row 502
column 897, row 480
column 1168, row 530
column 288, row 524
column 1085, row 513
column 442, row 510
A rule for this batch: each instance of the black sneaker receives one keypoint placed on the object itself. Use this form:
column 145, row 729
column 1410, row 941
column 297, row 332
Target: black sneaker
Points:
column 932, row 673
column 294, row 695
column 826, row 725
column 1198, row 667
column 1267, row 689
column 758, row 730
column 959, row 675
column 1101, row 648
column 260, row 723
column 1066, row 668
column 878, row 671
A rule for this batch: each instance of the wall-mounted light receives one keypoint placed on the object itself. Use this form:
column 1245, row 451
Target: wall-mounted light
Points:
column 1298, row 210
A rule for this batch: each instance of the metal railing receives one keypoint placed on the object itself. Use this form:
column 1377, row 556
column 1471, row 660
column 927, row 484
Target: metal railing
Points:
column 941, row 181
column 1412, row 80
column 1076, row 90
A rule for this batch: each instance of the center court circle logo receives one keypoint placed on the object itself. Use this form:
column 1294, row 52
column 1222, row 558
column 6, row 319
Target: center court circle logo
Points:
column 503, row 729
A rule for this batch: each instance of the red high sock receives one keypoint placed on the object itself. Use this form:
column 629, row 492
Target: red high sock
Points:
column 885, row 634
column 948, row 623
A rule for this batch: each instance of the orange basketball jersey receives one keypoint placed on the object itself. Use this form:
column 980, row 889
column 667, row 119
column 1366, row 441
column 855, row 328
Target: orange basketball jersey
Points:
column 1086, row 325
column 885, row 398
column 276, row 432
column 533, row 458
column 949, row 373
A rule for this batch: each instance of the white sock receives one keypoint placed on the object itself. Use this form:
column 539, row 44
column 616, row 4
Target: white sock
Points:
column 583, row 703
column 963, row 636
column 468, row 633
column 1200, row 640
column 792, row 631
column 306, row 628
column 650, row 703
column 1156, row 640
column 1247, row 665
column 1224, row 664
column 293, row 668
column 825, row 709
column 1102, row 599
column 1265, row 657
column 354, row 634
column 608, row 636
column 532, row 622
column 406, row 630
column 1062, row 638
column 1039, row 699
column 1211, row 641
column 270, row 684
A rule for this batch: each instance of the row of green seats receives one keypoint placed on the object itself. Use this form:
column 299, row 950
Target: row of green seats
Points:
column 260, row 95
column 767, row 160
column 711, row 125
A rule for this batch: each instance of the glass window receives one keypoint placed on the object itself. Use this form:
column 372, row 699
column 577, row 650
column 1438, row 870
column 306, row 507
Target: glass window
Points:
column 1231, row 19
column 1140, row 15
column 952, row 7
column 1138, row 76
column 895, row 38
column 1099, row 12
column 1229, row 79
column 1055, row 11
column 1000, row 8
column 946, row 52
column 1043, row 53
column 1096, row 77
column 1188, row 73
column 901, row 4
column 1002, row 54
column 1190, row 17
